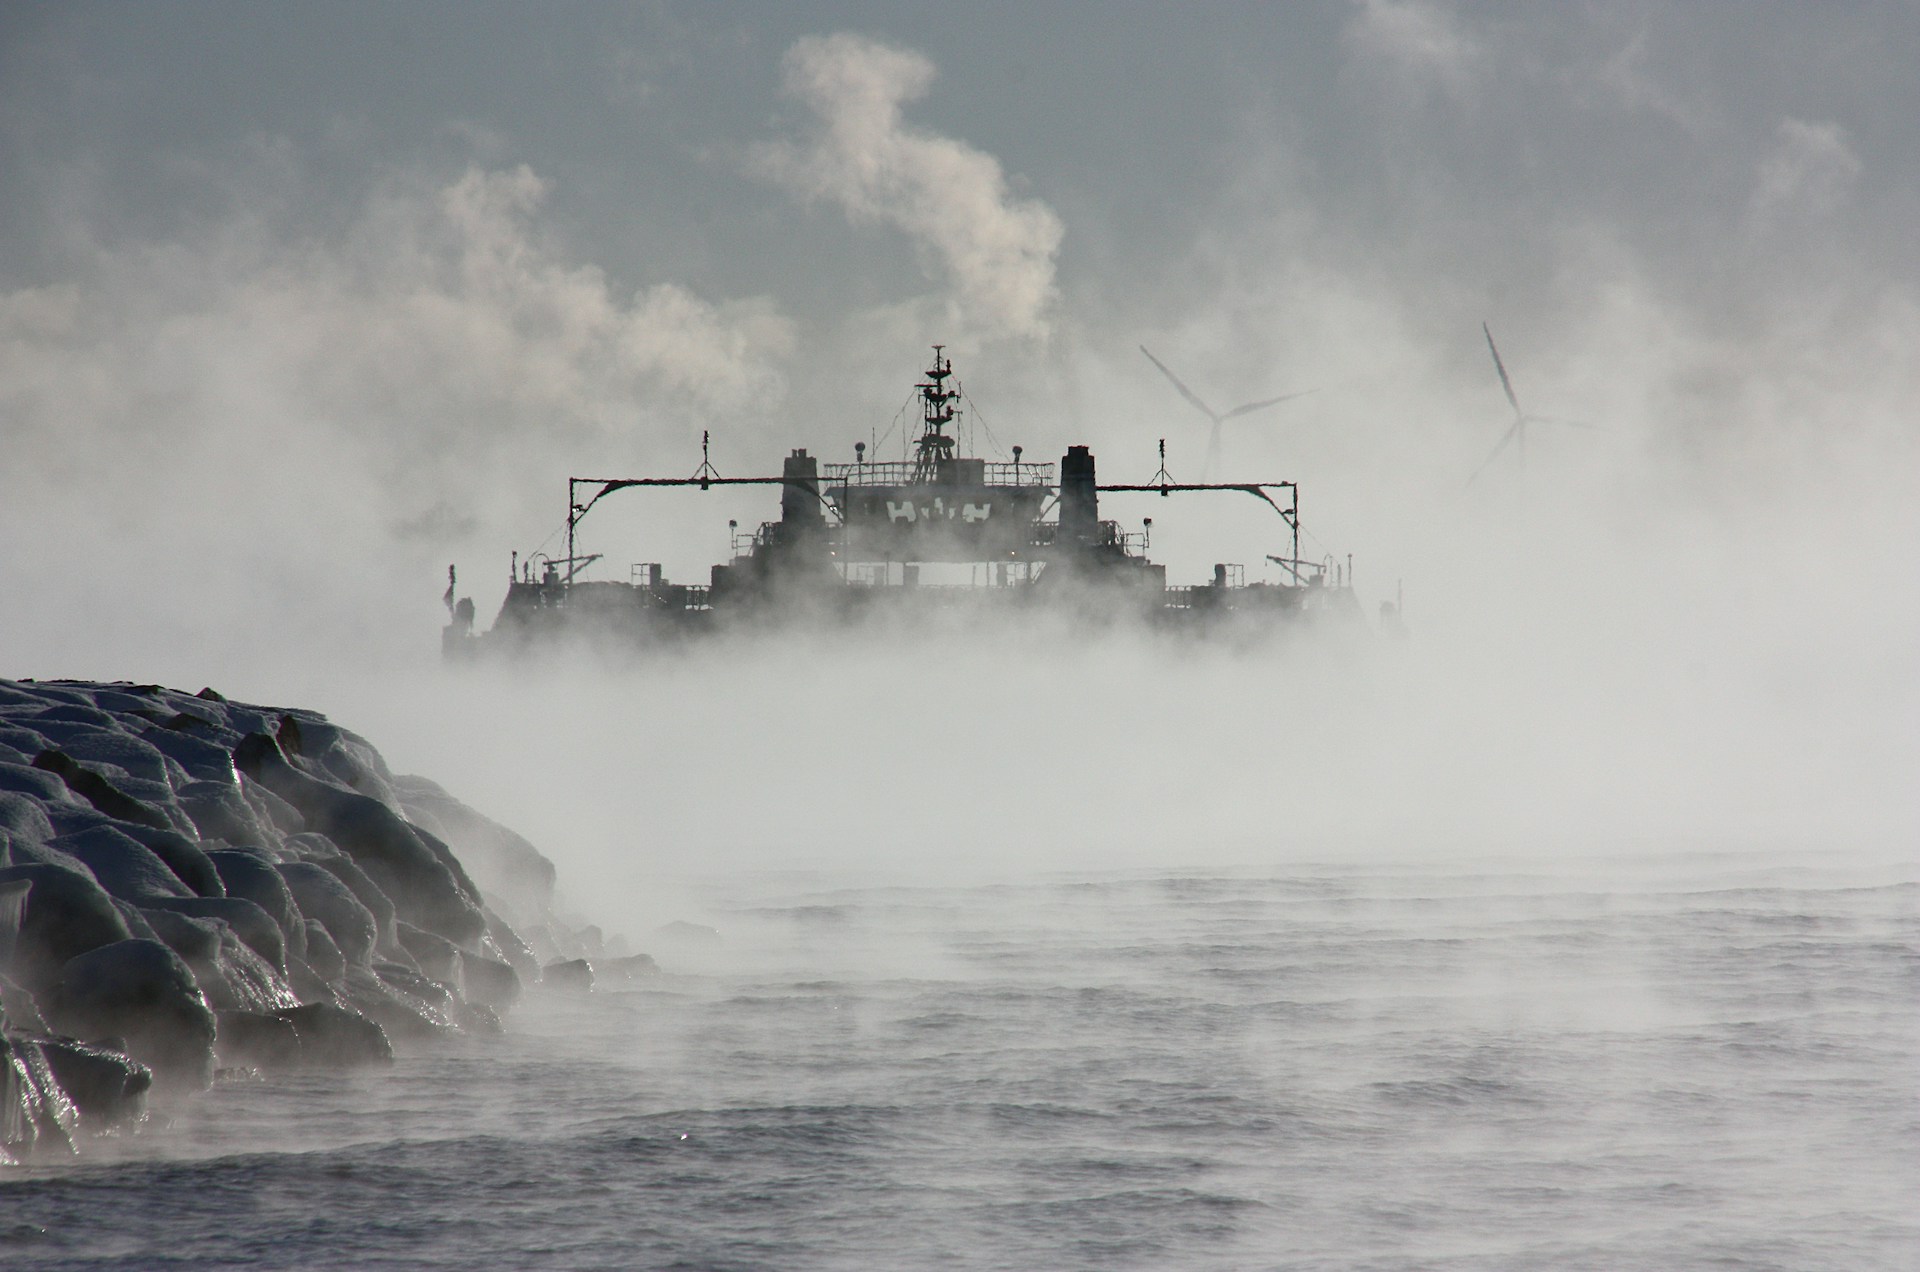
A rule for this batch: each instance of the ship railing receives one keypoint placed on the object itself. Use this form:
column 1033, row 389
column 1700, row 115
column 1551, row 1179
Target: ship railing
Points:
column 983, row 576
column 901, row 474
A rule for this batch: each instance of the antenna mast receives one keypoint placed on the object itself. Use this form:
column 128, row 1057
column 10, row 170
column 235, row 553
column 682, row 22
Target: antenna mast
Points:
column 937, row 411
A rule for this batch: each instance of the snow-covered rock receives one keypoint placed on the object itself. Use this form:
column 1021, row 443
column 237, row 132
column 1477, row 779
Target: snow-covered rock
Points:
column 186, row 880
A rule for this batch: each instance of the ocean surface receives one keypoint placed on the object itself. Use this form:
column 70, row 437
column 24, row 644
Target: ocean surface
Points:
column 1707, row 1061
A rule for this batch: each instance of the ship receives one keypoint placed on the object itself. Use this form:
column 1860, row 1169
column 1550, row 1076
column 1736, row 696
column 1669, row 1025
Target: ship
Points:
column 853, row 541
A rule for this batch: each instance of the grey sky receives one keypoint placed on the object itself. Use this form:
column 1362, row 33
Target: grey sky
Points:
column 377, row 276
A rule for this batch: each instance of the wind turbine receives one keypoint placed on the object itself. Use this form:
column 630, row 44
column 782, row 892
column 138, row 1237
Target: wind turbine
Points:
column 1516, row 431
column 1218, row 417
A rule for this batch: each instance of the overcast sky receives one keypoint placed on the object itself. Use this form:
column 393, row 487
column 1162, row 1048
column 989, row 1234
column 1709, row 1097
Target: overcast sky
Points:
column 369, row 279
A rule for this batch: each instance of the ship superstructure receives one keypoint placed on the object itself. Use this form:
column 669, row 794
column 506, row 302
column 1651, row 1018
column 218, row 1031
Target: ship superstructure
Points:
column 852, row 540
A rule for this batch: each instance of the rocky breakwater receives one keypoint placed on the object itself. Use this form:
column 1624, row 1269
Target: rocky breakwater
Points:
column 189, row 885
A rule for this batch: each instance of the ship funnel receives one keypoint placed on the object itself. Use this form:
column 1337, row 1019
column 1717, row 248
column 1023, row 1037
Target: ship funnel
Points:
column 800, row 493
column 1079, row 496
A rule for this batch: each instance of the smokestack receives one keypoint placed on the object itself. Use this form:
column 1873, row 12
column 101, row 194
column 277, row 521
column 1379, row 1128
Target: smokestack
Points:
column 800, row 495
column 1079, row 496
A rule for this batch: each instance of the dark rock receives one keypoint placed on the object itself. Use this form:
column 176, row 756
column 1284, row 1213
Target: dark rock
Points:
column 323, row 955
column 186, row 859
column 256, row 1040
column 109, row 1087
column 282, row 816
column 249, row 922
column 36, row 1115
column 37, row 784
column 249, row 875
column 501, row 861
column 435, row 956
column 218, row 812
column 204, row 757
column 18, row 1011
column 365, row 890
column 332, row 1036
column 100, row 792
column 237, row 978
column 405, row 1004
column 125, row 867
column 67, row 914
column 512, row 948
column 488, row 981
column 142, row 991
column 23, row 817
column 136, row 920
column 308, row 985
column 196, row 941
column 323, row 898
column 574, row 974
column 407, row 870
column 478, row 1018
column 119, row 755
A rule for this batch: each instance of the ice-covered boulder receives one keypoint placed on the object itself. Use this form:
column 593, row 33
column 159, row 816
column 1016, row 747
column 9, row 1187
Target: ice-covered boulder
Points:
column 183, row 877
column 333, row 1037
column 142, row 992
column 66, row 914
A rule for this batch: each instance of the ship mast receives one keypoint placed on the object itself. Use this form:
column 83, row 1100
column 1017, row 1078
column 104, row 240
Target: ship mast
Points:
column 937, row 411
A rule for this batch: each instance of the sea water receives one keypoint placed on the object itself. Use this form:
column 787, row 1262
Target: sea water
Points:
column 1673, row 1062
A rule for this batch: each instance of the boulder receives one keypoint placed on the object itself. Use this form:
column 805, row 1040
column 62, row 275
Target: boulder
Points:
column 67, row 914
column 186, row 859
column 250, row 875
column 488, row 982
column 108, row 1086
column 196, row 941
column 323, row 898
column 573, row 974
column 218, row 811
column 143, row 992
column 255, row 1040
column 332, row 1036
column 18, row 1011
column 323, row 957
column 249, row 922
column 24, row 818
column 501, row 861
column 36, row 1115
column 435, row 956
column 364, row 889
column 98, row 791
column 124, row 866
column 422, row 888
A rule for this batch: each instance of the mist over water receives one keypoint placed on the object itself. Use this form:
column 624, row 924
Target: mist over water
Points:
column 1673, row 1061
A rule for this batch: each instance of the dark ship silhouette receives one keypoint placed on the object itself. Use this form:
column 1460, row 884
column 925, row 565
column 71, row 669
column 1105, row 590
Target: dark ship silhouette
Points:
column 852, row 538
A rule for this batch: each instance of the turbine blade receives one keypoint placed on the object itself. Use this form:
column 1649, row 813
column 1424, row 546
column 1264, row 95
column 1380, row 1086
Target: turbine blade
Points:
column 1251, row 407
column 1213, row 453
column 1185, row 392
column 1513, row 430
column 1501, row 367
